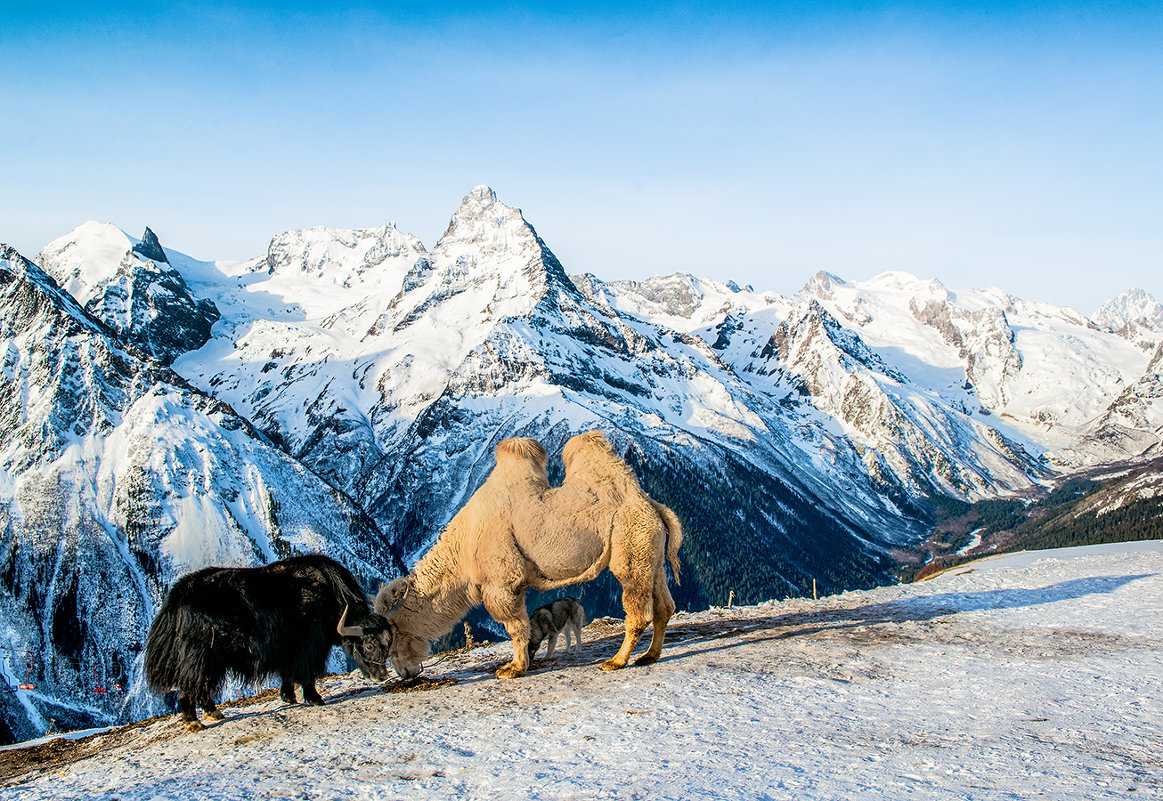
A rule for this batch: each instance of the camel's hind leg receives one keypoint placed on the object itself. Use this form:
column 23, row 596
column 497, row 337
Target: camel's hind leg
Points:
column 634, row 628
column 638, row 603
column 663, row 609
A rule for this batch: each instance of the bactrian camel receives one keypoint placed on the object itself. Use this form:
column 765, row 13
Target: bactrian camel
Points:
column 517, row 531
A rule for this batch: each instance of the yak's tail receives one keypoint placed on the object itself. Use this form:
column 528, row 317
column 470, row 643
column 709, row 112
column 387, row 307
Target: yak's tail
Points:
column 180, row 652
column 162, row 648
column 673, row 536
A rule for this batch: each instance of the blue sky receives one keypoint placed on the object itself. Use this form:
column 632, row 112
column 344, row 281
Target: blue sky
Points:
column 1015, row 145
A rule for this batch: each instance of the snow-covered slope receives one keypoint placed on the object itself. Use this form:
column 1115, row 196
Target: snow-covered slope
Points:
column 1032, row 675
column 116, row 477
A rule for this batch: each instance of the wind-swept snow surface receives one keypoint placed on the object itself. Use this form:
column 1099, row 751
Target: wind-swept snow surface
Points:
column 1033, row 675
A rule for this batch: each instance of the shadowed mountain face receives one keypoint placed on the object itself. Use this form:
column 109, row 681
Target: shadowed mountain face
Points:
column 344, row 391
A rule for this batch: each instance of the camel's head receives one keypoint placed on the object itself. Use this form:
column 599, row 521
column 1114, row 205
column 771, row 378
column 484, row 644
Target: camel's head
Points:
column 407, row 649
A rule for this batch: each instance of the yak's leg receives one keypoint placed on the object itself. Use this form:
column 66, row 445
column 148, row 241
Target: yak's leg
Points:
column 287, row 693
column 552, row 645
column 212, row 711
column 663, row 610
column 508, row 609
column 310, row 694
column 189, row 712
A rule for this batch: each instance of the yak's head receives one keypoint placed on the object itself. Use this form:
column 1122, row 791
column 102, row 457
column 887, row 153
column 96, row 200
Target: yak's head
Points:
column 367, row 644
column 409, row 647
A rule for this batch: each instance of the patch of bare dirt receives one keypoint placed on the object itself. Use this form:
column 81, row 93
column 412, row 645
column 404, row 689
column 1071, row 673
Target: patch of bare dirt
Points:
column 18, row 764
column 419, row 685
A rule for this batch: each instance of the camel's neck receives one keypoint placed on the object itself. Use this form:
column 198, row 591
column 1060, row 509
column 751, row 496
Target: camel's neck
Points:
column 441, row 590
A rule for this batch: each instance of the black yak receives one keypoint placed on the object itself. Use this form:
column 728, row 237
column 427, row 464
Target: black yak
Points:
column 279, row 620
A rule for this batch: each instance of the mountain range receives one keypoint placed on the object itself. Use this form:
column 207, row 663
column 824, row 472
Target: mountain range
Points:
column 343, row 393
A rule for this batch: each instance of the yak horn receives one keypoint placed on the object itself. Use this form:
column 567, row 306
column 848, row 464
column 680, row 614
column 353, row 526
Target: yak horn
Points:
column 346, row 630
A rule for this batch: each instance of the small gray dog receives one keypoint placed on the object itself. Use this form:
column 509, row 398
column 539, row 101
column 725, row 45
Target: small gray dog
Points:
column 563, row 616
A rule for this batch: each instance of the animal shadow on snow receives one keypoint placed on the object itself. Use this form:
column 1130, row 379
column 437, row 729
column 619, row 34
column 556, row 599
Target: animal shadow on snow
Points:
column 257, row 706
column 600, row 643
column 918, row 609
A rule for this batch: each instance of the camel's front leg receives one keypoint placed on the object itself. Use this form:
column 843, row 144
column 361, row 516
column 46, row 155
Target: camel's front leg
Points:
column 508, row 608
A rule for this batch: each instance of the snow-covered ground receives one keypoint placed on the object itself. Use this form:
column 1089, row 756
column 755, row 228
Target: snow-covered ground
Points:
column 1032, row 675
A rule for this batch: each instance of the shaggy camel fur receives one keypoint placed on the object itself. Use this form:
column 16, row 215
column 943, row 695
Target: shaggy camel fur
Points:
column 517, row 532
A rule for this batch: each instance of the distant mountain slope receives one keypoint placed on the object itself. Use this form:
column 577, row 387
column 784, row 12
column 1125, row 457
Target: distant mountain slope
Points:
column 1091, row 507
column 116, row 476
column 1040, row 376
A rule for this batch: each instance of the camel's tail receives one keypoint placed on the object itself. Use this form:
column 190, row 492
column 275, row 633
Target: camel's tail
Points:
column 673, row 536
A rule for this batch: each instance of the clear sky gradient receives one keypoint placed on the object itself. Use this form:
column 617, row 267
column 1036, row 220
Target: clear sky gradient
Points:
column 985, row 144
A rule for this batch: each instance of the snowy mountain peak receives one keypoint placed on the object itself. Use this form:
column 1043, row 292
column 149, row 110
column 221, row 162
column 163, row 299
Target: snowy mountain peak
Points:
column 10, row 254
column 130, row 286
column 677, row 294
column 1132, row 308
column 820, row 285
column 85, row 257
column 679, row 300
column 150, row 247
column 489, row 241
column 900, row 281
column 485, row 221
column 375, row 259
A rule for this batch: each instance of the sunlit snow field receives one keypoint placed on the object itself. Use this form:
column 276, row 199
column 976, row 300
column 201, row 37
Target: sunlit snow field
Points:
column 1032, row 675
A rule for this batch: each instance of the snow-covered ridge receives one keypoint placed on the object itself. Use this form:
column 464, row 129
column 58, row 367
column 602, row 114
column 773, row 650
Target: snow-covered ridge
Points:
column 1046, row 375
column 1132, row 308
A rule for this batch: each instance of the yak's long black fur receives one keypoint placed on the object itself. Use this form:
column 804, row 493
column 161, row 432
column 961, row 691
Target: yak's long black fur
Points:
column 256, row 623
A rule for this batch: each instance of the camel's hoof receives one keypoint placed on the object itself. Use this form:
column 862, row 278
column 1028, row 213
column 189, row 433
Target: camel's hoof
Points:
column 213, row 714
column 509, row 672
column 646, row 659
column 613, row 664
column 194, row 726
